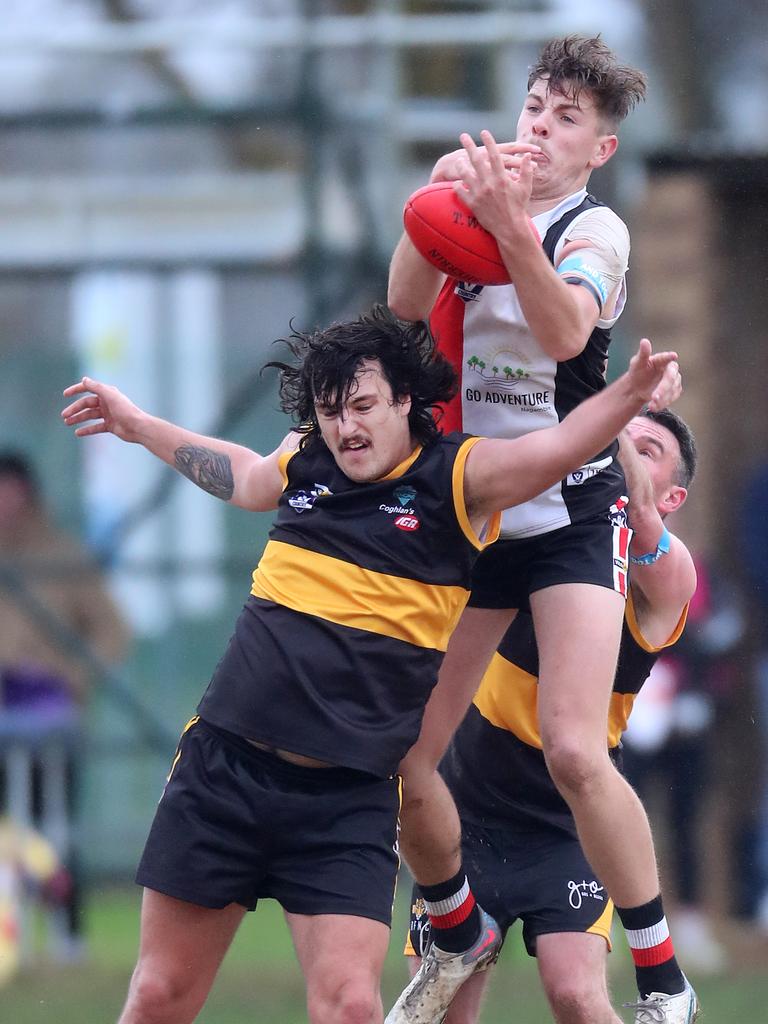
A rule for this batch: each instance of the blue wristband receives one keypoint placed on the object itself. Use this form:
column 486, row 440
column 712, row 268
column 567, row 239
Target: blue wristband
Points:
column 662, row 548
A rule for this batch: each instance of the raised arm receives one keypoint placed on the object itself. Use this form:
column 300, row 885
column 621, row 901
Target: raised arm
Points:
column 225, row 470
column 561, row 315
column 414, row 283
column 500, row 474
column 667, row 584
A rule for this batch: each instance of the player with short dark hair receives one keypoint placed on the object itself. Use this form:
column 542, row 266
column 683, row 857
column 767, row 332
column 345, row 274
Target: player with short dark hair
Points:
column 285, row 783
column 574, row 64
column 562, row 555
column 519, row 839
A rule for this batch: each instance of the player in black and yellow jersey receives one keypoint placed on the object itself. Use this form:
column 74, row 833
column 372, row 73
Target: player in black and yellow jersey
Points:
column 520, row 844
column 285, row 784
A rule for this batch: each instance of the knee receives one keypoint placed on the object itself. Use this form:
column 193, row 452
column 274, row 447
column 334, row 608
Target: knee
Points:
column 574, row 1002
column 350, row 1003
column 155, row 997
column 574, row 767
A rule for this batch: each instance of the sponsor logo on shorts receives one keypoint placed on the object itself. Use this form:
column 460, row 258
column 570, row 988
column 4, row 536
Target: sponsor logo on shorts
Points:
column 618, row 512
column 419, row 927
column 584, row 890
column 621, row 538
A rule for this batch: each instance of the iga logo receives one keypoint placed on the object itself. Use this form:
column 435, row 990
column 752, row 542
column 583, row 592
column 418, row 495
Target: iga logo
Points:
column 407, row 523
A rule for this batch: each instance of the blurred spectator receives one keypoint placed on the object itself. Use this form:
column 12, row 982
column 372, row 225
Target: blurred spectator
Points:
column 52, row 602
column 754, row 554
column 29, row 866
column 669, row 744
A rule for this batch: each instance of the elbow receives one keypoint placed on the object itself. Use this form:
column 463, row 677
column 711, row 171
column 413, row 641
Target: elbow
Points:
column 407, row 307
column 563, row 347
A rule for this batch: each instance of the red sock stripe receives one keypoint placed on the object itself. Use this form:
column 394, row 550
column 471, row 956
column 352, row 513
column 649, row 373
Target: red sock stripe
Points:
column 455, row 916
column 654, row 955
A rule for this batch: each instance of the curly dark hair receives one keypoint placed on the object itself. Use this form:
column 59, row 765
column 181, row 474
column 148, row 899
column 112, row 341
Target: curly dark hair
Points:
column 328, row 360
column 577, row 62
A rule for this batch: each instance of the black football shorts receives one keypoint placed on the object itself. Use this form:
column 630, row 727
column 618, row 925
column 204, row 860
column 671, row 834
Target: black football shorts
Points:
column 595, row 551
column 541, row 877
column 236, row 824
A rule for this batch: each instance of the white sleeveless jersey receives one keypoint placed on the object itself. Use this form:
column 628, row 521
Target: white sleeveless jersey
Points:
column 510, row 386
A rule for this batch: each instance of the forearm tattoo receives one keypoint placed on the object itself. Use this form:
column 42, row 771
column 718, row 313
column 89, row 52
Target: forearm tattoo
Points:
column 208, row 469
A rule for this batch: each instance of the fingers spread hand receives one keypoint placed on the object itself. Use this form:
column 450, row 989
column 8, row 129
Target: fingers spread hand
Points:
column 492, row 149
column 92, row 428
column 518, row 148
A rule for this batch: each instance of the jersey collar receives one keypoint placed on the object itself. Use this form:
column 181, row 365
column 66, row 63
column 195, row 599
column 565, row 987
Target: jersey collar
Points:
column 545, row 220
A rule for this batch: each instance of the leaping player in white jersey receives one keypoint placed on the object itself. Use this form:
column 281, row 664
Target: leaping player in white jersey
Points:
column 528, row 353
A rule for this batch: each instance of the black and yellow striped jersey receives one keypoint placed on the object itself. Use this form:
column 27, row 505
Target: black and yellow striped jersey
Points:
column 494, row 766
column 353, row 601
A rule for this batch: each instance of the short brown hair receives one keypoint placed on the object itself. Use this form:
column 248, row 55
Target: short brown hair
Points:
column 575, row 63
column 682, row 433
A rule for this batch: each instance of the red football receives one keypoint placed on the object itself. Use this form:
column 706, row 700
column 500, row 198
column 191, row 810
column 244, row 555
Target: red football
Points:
column 448, row 234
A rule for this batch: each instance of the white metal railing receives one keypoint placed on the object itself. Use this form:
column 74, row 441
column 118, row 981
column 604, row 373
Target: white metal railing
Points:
column 329, row 32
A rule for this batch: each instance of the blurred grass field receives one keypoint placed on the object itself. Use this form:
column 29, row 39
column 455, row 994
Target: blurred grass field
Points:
column 260, row 982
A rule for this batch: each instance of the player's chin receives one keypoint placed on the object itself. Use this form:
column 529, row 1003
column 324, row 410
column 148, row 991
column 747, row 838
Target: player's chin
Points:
column 360, row 476
column 356, row 466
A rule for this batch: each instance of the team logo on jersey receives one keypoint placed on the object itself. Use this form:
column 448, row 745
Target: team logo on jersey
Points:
column 468, row 292
column 302, row 501
column 405, row 495
column 580, row 476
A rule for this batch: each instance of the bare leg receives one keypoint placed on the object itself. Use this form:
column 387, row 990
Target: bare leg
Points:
column 181, row 948
column 343, row 987
column 572, row 971
column 430, row 837
column 578, row 627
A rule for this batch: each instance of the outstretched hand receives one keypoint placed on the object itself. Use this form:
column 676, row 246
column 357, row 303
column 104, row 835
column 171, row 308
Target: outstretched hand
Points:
column 670, row 388
column 102, row 409
column 654, row 376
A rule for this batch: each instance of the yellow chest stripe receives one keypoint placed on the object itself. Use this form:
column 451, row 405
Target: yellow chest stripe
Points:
column 422, row 614
column 508, row 698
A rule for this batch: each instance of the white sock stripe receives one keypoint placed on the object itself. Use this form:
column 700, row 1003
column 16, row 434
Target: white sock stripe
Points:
column 441, row 907
column 645, row 938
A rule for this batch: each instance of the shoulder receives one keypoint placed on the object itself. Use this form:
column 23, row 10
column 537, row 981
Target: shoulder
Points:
column 600, row 222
